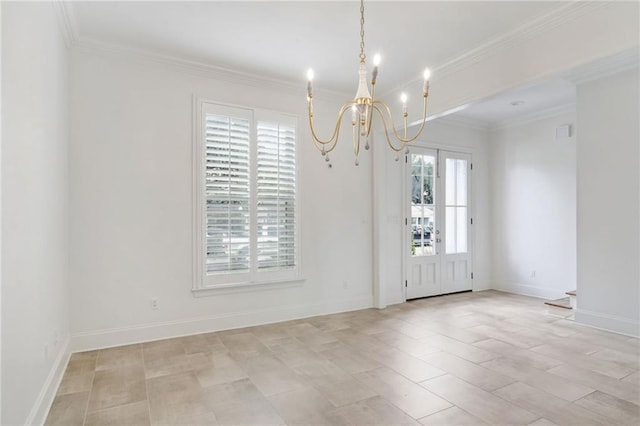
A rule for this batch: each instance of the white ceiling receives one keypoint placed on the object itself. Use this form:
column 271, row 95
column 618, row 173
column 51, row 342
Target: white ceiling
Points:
column 283, row 39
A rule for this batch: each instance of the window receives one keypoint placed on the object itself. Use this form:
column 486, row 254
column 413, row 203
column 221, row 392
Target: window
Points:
column 246, row 207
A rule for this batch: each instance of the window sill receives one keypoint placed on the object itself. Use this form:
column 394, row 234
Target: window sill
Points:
column 246, row 287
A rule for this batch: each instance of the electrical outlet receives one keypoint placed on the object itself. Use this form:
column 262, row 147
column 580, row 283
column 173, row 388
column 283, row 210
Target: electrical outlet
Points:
column 154, row 303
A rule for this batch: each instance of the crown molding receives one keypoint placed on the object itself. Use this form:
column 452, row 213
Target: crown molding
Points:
column 621, row 61
column 464, row 122
column 534, row 116
column 66, row 22
column 89, row 46
column 527, row 31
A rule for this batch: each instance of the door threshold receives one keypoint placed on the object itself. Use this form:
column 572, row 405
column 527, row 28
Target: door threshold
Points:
column 438, row 295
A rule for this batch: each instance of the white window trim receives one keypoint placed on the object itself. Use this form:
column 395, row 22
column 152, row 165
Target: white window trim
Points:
column 203, row 284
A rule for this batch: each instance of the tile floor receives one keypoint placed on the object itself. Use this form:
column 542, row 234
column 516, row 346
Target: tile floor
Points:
column 464, row 359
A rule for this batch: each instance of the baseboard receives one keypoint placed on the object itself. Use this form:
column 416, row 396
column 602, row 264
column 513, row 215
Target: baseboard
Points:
column 40, row 409
column 148, row 332
column 529, row 290
column 608, row 322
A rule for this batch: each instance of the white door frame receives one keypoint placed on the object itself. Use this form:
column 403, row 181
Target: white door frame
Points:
column 406, row 209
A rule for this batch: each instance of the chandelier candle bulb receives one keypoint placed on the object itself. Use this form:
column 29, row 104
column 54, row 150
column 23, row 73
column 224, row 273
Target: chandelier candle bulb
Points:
column 403, row 98
column 354, row 114
column 427, row 76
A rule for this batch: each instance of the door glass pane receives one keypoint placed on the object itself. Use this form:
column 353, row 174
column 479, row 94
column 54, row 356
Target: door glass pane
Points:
column 422, row 204
column 456, row 232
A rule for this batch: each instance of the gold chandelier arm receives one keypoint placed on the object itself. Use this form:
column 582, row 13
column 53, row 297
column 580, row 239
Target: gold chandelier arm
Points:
column 386, row 131
column 336, row 131
column 393, row 126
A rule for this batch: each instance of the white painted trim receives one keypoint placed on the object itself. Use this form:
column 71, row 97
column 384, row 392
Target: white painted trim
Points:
column 621, row 61
column 66, row 21
column 529, row 30
column 89, row 46
column 464, row 122
column 540, row 292
column 535, row 116
column 606, row 322
column 163, row 330
column 40, row 409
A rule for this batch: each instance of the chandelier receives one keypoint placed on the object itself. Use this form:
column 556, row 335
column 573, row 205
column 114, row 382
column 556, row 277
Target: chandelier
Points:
column 362, row 108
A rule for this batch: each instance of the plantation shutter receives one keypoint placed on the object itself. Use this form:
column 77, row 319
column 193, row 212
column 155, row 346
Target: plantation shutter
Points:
column 276, row 195
column 227, row 193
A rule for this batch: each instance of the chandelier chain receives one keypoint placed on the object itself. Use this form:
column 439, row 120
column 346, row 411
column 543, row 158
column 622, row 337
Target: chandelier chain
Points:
column 362, row 55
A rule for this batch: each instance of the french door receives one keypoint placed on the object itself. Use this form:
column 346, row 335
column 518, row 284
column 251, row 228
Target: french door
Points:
column 437, row 233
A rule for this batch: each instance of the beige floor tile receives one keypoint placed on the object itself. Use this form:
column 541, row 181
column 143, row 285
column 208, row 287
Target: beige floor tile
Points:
column 119, row 357
column 366, row 362
column 334, row 383
column 215, row 368
column 372, row 411
column 463, row 350
column 618, row 388
column 162, row 349
column 202, row 343
column 317, row 341
column 241, row 403
column 117, row 387
column 93, row 355
column 478, row 402
column 269, row 333
column 406, row 344
column 453, row 416
column 86, row 364
column 292, row 352
column 468, row 371
column 241, row 391
column 302, row 406
column 513, row 338
column 258, row 413
column 589, row 362
column 542, row 422
column 402, row 392
column 633, row 378
column 302, row 328
column 349, row 360
column 164, row 366
column 629, row 360
column 68, row 410
column 534, row 359
column 75, row 382
column 178, row 399
column 136, row 414
column 550, row 407
column 409, row 366
column 618, row 410
column 463, row 335
column 538, row 379
column 244, row 344
column 270, row 375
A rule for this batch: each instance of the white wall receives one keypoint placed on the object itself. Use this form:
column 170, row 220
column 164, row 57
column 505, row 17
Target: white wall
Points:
column 35, row 320
column 131, row 207
column 388, row 187
column 608, row 203
column 533, row 184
